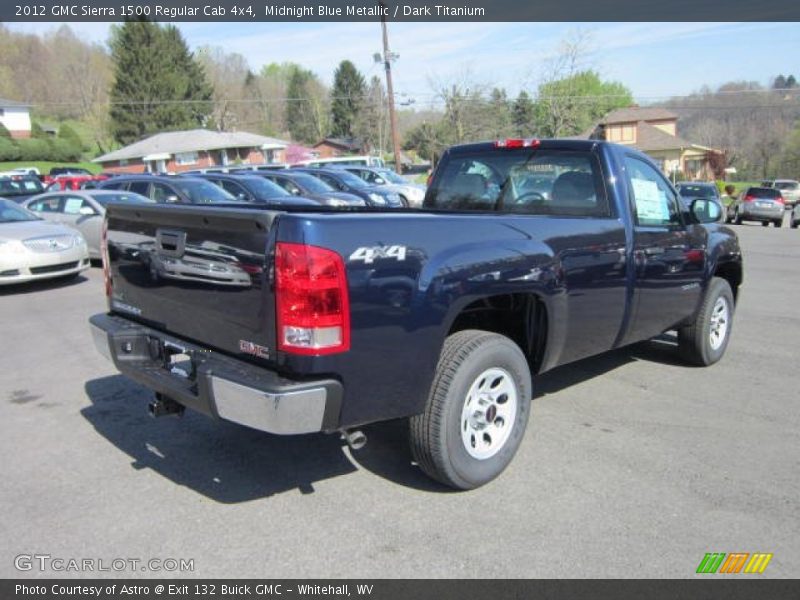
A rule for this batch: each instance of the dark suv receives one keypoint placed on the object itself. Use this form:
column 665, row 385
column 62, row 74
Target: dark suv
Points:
column 252, row 188
column 170, row 189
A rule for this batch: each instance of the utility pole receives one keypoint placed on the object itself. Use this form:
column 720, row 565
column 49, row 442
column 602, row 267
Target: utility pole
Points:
column 388, row 57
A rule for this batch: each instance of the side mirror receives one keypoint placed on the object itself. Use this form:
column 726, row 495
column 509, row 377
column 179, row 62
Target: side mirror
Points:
column 706, row 210
column 87, row 211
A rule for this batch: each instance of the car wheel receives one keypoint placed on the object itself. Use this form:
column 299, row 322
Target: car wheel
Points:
column 737, row 217
column 794, row 224
column 476, row 412
column 704, row 341
column 778, row 223
column 764, row 223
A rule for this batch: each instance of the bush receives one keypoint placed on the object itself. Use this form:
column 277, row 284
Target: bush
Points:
column 4, row 133
column 8, row 149
column 37, row 131
column 33, row 149
column 65, row 132
column 65, row 150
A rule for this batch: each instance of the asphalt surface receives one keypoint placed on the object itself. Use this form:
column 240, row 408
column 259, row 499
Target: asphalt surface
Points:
column 634, row 465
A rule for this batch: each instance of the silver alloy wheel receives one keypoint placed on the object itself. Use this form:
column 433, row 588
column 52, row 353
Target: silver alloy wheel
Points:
column 489, row 412
column 720, row 318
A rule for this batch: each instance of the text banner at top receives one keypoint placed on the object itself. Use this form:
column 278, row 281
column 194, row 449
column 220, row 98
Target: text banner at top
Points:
column 409, row 10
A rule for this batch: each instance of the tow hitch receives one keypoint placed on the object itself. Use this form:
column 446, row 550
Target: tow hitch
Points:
column 163, row 406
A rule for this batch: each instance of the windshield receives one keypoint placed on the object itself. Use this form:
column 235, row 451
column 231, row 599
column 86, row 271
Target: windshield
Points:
column 351, row 180
column 264, row 188
column 760, row 192
column 312, row 184
column 697, row 191
column 557, row 182
column 392, row 177
column 19, row 187
column 203, row 192
column 13, row 213
column 104, row 199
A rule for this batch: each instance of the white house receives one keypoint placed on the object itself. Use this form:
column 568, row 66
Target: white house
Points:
column 16, row 117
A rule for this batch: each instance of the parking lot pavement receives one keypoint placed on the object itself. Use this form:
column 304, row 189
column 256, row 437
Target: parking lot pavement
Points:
column 634, row 465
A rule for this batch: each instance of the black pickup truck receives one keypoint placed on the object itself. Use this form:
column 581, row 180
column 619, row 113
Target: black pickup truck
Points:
column 526, row 255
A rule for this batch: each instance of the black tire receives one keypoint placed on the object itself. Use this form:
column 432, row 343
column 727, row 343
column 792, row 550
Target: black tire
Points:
column 737, row 217
column 436, row 434
column 764, row 223
column 778, row 223
column 794, row 224
column 694, row 341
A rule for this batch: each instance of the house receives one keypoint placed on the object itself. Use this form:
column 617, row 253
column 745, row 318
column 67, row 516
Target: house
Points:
column 177, row 151
column 333, row 147
column 654, row 131
column 16, row 117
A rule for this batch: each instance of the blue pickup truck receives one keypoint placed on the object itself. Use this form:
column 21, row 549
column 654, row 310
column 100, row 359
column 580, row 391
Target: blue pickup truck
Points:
column 526, row 255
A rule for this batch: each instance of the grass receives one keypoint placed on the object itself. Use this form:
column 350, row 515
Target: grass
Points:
column 45, row 166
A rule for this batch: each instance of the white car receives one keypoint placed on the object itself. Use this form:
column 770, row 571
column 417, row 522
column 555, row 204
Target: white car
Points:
column 31, row 248
column 790, row 190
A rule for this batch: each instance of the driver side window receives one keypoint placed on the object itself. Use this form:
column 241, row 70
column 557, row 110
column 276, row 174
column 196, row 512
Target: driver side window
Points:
column 655, row 203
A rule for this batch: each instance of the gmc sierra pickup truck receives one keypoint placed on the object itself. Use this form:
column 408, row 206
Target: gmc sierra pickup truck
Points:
column 526, row 255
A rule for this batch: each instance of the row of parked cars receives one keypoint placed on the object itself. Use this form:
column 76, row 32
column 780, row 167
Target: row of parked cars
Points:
column 55, row 231
column 766, row 203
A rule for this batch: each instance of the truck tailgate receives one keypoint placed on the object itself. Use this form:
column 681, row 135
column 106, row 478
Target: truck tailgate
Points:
column 197, row 273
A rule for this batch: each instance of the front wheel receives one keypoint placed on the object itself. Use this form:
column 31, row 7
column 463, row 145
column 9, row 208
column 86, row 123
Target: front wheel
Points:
column 794, row 224
column 704, row 341
column 477, row 410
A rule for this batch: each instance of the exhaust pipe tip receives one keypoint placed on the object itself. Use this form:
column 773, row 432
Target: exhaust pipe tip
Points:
column 356, row 440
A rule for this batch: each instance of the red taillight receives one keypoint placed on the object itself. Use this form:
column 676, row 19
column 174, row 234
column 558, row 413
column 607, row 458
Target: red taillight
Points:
column 749, row 198
column 780, row 199
column 104, row 257
column 313, row 306
column 517, row 143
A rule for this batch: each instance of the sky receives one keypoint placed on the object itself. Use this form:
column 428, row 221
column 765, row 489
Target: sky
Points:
column 655, row 60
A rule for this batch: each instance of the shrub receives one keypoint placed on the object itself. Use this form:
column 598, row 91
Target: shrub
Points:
column 8, row 149
column 33, row 149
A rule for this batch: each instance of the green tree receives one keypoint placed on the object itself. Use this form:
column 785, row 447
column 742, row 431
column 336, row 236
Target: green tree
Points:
column 347, row 98
column 499, row 114
column 67, row 133
column 158, row 86
column 570, row 105
column 305, row 106
column 523, row 115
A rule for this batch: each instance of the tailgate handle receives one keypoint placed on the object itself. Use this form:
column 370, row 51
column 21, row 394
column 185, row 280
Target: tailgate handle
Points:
column 171, row 242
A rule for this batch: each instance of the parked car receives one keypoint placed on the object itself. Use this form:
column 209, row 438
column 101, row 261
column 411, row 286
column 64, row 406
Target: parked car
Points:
column 259, row 167
column 252, row 188
column 20, row 187
column 486, row 287
column 344, row 181
column 31, row 248
column 698, row 189
column 757, row 204
column 412, row 194
column 56, row 172
column 789, row 189
column 170, row 189
column 74, row 182
column 302, row 184
column 83, row 210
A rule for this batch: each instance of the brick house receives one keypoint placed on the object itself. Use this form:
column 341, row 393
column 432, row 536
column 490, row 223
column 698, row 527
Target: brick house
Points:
column 16, row 117
column 333, row 147
column 176, row 151
column 654, row 131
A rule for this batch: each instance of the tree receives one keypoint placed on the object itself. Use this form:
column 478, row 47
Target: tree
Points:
column 371, row 123
column 347, row 99
column 523, row 115
column 791, row 82
column 306, row 106
column 158, row 85
column 228, row 75
column 779, row 83
column 499, row 114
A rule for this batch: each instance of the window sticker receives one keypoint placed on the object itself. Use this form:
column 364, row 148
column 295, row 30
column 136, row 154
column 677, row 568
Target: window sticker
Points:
column 73, row 206
column 651, row 203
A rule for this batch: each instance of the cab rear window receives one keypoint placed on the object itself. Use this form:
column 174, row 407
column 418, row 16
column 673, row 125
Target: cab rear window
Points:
column 525, row 181
column 763, row 192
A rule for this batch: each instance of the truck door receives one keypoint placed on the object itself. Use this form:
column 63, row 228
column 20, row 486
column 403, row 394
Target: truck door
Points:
column 669, row 256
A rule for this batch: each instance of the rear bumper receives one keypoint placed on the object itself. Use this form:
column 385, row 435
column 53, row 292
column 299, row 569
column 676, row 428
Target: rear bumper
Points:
column 216, row 384
column 762, row 214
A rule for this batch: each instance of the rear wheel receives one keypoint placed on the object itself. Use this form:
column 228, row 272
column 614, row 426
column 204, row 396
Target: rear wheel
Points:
column 764, row 223
column 704, row 341
column 477, row 410
column 778, row 223
column 737, row 217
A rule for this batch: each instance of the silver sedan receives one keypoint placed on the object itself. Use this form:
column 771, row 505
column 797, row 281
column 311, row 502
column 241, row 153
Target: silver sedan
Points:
column 31, row 248
column 81, row 209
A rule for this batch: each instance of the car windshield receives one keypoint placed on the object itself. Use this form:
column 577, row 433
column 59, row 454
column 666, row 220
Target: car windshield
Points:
column 761, row 192
column 787, row 185
column 312, row 184
column 13, row 213
column 203, row 192
column 105, row 198
column 21, row 186
column 69, row 171
column 264, row 188
column 696, row 190
column 391, row 176
column 351, row 180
